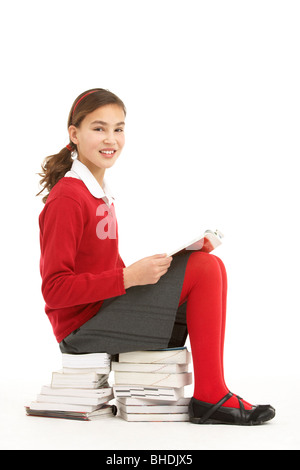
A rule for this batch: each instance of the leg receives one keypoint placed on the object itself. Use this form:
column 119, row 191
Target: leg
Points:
column 205, row 289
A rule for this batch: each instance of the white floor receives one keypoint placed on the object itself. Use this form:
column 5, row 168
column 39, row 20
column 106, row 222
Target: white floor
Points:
column 20, row 432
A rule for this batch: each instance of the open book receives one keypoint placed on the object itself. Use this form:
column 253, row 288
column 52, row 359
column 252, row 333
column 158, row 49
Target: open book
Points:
column 206, row 242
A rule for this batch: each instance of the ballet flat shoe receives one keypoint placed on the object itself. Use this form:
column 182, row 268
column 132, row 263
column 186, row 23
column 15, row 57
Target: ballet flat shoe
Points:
column 201, row 412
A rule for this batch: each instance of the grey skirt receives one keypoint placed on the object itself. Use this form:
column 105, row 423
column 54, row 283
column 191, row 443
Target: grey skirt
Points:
column 145, row 318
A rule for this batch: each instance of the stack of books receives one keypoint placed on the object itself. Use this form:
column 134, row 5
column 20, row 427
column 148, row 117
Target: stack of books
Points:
column 79, row 391
column 149, row 385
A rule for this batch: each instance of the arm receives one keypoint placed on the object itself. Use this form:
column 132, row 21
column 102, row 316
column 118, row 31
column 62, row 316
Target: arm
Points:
column 128, row 278
column 61, row 231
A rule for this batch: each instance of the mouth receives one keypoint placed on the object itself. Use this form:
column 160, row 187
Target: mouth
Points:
column 108, row 153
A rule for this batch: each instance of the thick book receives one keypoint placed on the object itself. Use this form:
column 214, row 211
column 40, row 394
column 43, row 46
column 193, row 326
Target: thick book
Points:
column 106, row 411
column 35, row 405
column 82, row 361
column 137, row 409
column 97, row 370
column 183, row 401
column 152, row 379
column 205, row 242
column 73, row 400
column 154, row 393
column 161, row 356
column 88, row 380
column 77, row 392
column 153, row 368
column 153, row 416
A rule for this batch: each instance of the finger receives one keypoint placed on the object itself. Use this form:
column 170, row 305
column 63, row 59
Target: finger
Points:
column 165, row 262
column 162, row 267
column 163, row 272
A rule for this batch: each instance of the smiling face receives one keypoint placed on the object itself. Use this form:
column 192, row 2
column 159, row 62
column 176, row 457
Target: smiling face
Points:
column 100, row 139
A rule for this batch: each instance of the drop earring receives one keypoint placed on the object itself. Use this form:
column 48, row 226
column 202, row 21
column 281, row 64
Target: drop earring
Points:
column 74, row 154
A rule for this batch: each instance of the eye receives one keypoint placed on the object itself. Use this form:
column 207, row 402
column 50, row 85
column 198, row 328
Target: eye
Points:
column 120, row 130
column 99, row 129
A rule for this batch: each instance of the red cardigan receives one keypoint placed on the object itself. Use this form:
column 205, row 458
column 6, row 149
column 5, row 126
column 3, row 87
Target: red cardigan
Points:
column 79, row 267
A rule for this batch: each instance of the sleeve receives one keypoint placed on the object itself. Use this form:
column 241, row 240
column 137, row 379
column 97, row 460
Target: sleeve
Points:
column 61, row 230
column 122, row 262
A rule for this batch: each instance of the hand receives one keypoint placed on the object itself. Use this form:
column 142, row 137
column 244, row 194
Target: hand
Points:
column 147, row 270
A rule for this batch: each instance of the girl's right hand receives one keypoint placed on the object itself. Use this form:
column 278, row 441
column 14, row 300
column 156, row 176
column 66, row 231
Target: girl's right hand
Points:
column 147, row 270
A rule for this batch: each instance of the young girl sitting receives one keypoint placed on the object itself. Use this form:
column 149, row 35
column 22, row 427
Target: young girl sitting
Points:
column 97, row 304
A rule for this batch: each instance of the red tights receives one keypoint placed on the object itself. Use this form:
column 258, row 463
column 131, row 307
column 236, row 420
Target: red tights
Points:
column 205, row 289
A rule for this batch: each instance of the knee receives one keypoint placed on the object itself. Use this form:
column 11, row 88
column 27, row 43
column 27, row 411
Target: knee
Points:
column 206, row 264
column 220, row 262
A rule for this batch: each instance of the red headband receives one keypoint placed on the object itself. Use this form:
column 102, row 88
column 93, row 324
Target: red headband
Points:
column 88, row 93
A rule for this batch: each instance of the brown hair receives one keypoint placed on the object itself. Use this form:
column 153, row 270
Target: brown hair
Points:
column 55, row 166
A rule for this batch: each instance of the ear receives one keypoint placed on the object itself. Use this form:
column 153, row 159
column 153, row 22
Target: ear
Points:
column 73, row 134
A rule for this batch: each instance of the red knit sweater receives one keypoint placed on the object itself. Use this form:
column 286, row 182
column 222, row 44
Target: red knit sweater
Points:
column 79, row 267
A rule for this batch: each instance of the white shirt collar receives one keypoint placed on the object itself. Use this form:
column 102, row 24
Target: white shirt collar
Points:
column 80, row 171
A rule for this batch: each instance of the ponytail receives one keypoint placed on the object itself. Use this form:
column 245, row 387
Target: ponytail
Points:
column 54, row 168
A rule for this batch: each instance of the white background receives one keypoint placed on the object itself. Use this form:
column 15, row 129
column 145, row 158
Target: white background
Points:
column 212, row 141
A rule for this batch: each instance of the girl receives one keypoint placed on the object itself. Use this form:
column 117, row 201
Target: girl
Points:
column 97, row 304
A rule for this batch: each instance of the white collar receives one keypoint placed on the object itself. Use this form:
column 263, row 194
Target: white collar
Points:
column 80, row 171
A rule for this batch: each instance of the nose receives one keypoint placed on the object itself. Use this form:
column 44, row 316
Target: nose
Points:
column 110, row 137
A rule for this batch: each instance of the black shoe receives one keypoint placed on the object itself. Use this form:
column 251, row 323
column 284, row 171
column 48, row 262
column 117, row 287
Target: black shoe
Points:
column 201, row 412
